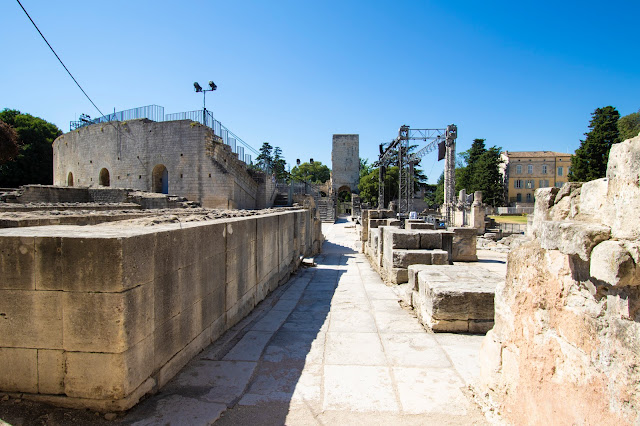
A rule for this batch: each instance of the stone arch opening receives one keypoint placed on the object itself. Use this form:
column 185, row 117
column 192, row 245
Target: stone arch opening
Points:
column 70, row 179
column 344, row 193
column 160, row 179
column 344, row 200
column 104, row 177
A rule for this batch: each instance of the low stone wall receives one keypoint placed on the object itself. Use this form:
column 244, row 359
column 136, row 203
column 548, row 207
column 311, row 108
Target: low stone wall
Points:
column 99, row 316
column 565, row 348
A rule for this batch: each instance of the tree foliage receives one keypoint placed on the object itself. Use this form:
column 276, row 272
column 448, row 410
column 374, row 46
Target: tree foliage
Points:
column 271, row 160
column 629, row 126
column 315, row 172
column 34, row 161
column 278, row 164
column 590, row 159
column 478, row 169
column 264, row 159
column 369, row 185
column 8, row 143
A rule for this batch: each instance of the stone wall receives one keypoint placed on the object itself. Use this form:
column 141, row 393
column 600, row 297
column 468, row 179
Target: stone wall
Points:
column 565, row 348
column 198, row 167
column 345, row 162
column 99, row 316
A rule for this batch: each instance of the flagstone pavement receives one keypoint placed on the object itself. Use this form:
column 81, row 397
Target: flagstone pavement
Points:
column 332, row 346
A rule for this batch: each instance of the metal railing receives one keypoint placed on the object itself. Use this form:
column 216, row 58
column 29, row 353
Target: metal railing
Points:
column 156, row 113
column 512, row 228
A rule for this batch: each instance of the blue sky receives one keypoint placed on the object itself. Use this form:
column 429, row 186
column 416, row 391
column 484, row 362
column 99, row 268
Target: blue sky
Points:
column 523, row 75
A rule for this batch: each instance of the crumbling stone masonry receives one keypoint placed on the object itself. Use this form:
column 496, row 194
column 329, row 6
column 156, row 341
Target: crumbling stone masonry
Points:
column 565, row 348
column 98, row 316
column 179, row 157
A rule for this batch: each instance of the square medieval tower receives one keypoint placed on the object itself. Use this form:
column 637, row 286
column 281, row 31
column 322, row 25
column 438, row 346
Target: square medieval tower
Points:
column 345, row 163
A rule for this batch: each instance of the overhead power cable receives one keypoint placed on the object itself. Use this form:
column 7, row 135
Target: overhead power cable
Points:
column 62, row 63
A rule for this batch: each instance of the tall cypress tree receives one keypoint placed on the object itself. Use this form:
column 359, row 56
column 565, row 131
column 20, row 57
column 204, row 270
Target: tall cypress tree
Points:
column 590, row 159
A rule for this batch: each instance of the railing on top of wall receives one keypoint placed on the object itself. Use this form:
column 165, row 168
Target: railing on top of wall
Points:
column 156, row 113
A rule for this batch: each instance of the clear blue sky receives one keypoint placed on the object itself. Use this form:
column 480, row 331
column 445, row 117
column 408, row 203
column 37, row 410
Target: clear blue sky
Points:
column 523, row 75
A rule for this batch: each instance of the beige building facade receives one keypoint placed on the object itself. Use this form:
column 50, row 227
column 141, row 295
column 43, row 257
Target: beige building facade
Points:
column 526, row 171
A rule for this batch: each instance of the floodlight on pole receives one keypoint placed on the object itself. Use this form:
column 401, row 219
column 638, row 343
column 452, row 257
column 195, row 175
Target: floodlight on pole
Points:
column 199, row 88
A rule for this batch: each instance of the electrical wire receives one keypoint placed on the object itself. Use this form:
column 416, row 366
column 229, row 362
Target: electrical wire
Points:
column 60, row 60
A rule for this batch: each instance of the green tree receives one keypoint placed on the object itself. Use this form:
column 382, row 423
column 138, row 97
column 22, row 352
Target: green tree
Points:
column 478, row 169
column 629, row 126
column 439, row 194
column 264, row 159
column 315, row 172
column 365, row 167
column 278, row 164
column 590, row 159
column 487, row 177
column 8, row 143
column 369, row 184
column 34, row 161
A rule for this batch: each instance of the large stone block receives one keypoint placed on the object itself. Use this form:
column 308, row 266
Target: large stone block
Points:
column 267, row 247
column 457, row 298
column 616, row 263
column 107, row 264
column 48, row 263
column 405, row 258
column 464, row 244
column 401, row 239
column 593, row 200
column 108, row 375
column 51, row 368
column 19, row 370
column 107, row 322
column 624, row 191
column 17, row 263
column 420, row 225
column 31, row 319
column 573, row 238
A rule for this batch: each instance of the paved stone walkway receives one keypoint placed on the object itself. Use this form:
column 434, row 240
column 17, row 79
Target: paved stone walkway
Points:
column 333, row 346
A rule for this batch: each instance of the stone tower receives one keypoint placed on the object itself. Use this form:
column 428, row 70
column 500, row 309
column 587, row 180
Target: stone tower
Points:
column 345, row 163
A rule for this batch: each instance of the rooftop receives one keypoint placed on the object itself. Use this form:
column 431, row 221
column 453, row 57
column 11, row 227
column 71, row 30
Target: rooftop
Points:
column 535, row 154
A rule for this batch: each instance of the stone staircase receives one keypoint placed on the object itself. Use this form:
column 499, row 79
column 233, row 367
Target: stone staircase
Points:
column 281, row 200
column 326, row 209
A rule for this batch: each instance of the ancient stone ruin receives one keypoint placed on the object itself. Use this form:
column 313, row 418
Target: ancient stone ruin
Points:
column 565, row 348
column 103, row 300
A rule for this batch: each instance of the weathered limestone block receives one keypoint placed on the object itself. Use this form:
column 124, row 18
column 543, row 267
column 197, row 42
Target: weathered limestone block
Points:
column 143, row 301
column 401, row 239
column 19, row 372
column 108, row 375
column 17, row 268
column 616, row 263
column 544, row 361
column 593, row 200
column 565, row 205
column 412, row 274
column 431, row 239
column 402, row 258
column 51, row 369
column 124, row 319
column 545, row 197
column 457, row 298
column 420, row 225
column 31, row 319
column 464, row 244
column 574, row 238
column 624, row 188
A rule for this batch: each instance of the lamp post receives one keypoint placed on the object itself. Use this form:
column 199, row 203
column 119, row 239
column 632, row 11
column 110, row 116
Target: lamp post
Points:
column 204, row 98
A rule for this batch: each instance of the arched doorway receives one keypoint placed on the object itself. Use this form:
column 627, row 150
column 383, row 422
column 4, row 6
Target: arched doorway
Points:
column 160, row 179
column 104, row 178
column 344, row 200
column 70, row 179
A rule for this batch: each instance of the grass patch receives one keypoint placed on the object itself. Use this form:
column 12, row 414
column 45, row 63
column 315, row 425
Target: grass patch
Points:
column 510, row 218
